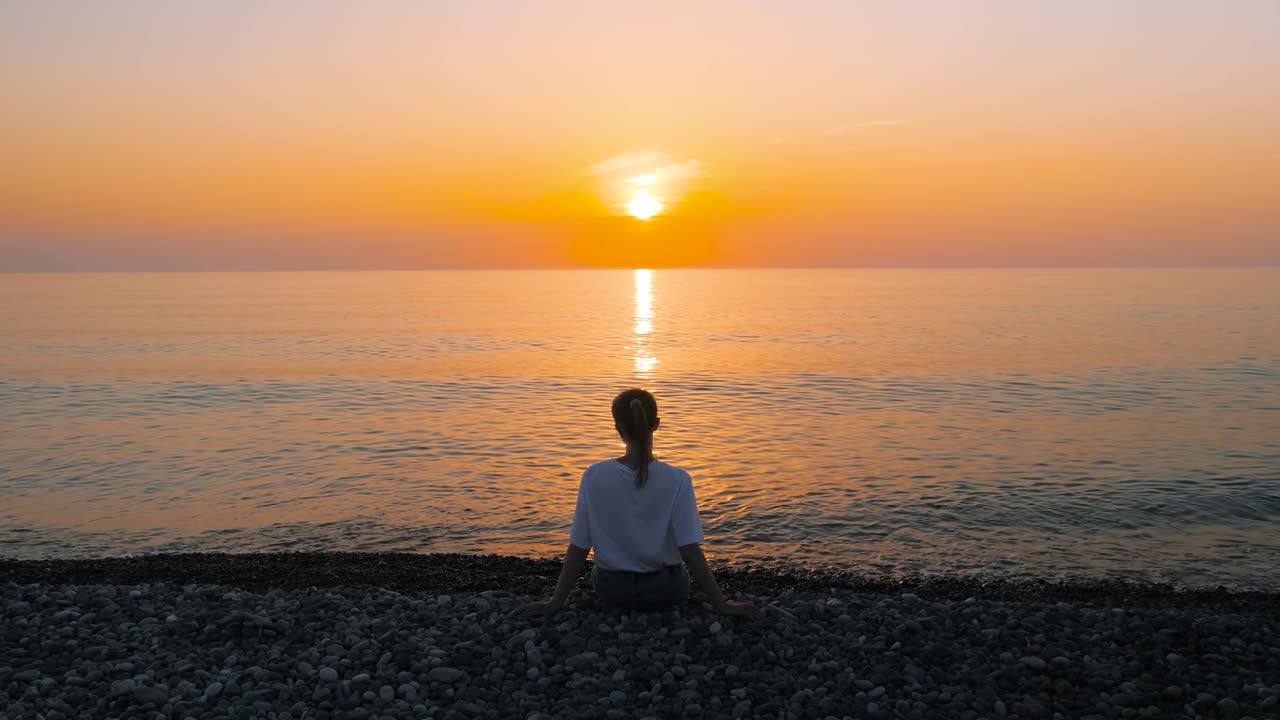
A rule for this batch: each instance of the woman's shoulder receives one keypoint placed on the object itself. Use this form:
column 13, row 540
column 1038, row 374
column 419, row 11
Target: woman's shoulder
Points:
column 604, row 466
column 674, row 471
column 613, row 466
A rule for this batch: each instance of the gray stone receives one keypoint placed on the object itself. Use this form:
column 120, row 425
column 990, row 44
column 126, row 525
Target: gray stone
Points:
column 155, row 695
column 126, row 661
column 445, row 674
column 121, row 687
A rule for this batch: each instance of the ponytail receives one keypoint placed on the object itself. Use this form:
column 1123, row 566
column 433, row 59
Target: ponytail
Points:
column 642, row 436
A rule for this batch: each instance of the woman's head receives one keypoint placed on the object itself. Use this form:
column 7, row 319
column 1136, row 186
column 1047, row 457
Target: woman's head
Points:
column 635, row 415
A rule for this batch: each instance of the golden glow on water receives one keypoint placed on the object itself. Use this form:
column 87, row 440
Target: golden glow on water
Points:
column 643, row 314
column 926, row 420
column 644, row 301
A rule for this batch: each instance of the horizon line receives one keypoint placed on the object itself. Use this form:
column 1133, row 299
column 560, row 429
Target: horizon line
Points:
column 562, row 268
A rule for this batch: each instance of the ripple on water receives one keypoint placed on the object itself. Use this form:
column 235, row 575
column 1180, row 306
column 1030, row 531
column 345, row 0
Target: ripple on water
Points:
column 902, row 472
column 1039, row 423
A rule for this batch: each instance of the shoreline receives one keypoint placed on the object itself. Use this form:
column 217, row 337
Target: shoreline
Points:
column 351, row 635
column 457, row 573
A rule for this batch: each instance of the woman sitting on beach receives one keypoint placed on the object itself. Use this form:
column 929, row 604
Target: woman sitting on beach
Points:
column 641, row 516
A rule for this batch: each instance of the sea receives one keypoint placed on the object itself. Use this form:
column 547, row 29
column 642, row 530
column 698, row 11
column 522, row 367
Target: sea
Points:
column 1050, row 423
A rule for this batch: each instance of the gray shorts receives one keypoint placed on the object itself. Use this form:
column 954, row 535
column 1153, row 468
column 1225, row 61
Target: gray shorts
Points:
column 655, row 590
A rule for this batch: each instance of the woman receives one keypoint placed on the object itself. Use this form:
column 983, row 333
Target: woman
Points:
column 641, row 517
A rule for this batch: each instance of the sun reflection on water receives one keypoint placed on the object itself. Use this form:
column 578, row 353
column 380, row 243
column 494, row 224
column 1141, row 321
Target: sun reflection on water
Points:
column 643, row 315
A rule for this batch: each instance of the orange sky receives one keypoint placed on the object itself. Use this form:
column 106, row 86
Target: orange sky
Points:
column 162, row 135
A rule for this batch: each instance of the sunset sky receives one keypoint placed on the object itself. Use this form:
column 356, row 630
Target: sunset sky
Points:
column 229, row 135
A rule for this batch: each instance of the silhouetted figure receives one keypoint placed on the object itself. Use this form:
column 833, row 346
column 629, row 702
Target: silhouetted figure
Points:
column 641, row 516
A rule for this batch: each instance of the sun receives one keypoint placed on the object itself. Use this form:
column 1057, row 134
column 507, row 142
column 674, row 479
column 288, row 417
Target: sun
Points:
column 644, row 206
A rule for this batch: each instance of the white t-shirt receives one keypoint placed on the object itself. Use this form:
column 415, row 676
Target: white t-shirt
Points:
column 635, row 529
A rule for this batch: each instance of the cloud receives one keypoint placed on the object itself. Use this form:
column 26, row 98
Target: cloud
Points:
column 625, row 162
column 621, row 178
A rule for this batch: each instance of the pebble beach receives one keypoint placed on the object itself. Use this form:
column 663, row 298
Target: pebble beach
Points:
column 432, row 636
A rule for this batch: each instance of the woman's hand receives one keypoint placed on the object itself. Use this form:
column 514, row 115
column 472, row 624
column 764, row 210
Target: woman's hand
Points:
column 539, row 609
column 574, row 557
column 741, row 608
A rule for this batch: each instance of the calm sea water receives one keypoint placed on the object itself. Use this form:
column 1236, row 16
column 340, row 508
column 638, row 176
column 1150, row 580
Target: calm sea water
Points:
column 1015, row 422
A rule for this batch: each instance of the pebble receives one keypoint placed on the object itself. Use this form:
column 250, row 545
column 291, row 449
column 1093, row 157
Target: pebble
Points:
column 1034, row 663
column 121, row 687
column 416, row 655
column 155, row 695
column 445, row 674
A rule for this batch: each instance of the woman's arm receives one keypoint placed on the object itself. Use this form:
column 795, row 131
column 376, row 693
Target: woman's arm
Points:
column 698, row 568
column 574, row 557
